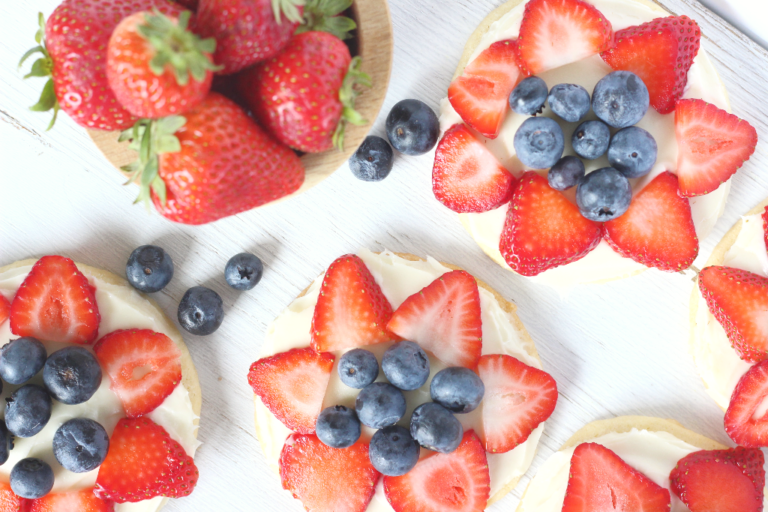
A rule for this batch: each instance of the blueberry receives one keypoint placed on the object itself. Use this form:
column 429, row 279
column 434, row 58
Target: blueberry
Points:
column 373, row 160
column 590, row 139
column 632, row 152
column 603, row 194
column 201, row 311
column 528, row 97
column 31, row 478
column 412, row 127
column 379, row 405
column 27, row 410
column 358, row 368
column 539, row 142
column 434, row 427
column 80, row 445
column 405, row 365
column 243, row 271
column 149, row 268
column 457, row 389
column 393, row 452
column 569, row 101
column 620, row 99
column 21, row 359
column 566, row 173
column 6, row 443
column 72, row 375
column 338, row 427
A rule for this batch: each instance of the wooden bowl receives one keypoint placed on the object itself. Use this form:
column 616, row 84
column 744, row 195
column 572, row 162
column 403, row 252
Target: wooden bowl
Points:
column 374, row 44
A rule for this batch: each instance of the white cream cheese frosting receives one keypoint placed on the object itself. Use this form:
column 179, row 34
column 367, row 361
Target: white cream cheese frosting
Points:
column 120, row 307
column 398, row 279
column 603, row 263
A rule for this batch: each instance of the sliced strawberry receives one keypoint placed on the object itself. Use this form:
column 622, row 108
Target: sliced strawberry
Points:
column 351, row 310
column 740, row 422
column 144, row 462
column 543, row 229
column 739, row 301
column 144, row 367
column 481, row 94
column 711, row 146
column 292, row 386
column 720, row 480
column 466, row 176
column 5, row 309
column 327, row 479
column 56, row 303
column 518, row 398
column 444, row 482
column 83, row 500
column 657, row 230
column 557, row 32
column 444, row 318
column 660, row 52
column 9, row 502
column 600, row 480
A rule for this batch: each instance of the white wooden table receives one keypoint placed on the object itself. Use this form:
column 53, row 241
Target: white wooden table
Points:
column 615, row 349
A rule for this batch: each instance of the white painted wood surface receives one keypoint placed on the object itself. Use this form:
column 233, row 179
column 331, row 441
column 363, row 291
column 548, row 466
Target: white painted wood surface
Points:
column 619, row 348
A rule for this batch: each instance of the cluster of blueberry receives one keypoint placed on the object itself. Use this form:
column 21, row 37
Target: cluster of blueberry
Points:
column 619, row 100
column 394, row 450
column 70, row 375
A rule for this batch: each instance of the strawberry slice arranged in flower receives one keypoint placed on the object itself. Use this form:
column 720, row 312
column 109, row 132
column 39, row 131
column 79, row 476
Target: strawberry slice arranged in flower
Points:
column 749, row 394
column 600, row 480
column 56, row 303
column 720, row 480
column 144, row 367
column 5, row 309
column 657, row 230
column 466, row 176
column 712, row 146
column 518, row 398
column 660, row 52
column 292, row 386
column 9, row 502
column 739, row 301
column 351, row 310
column 144, row 462
column 83, row 500
column 544, row 229
column 481, row 94
column 327, row 479
column 554, row 33
column 444, row 318
column 444, row 482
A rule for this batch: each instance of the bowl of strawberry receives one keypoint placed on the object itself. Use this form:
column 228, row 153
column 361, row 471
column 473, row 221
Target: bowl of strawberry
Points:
column 215, row 107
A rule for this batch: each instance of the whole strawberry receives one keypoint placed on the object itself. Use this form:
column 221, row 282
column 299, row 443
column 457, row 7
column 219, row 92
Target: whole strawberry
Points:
column 73, row 44
column 156, row 67
column 305, row 95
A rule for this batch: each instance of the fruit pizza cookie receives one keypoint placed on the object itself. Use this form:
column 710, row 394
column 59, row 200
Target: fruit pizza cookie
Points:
column 102, row 399
column 398, row 383
column 587, row 140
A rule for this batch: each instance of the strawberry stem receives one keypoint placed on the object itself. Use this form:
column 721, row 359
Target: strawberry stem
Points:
column 287, row 8
column 324, row 16
column 42, row 67
column 347, row 95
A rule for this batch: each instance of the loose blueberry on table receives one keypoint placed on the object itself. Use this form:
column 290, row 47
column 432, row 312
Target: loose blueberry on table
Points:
column 149, row 268
column 201, row 311
column 412, row 127
column 243, row 271
column 373, row 160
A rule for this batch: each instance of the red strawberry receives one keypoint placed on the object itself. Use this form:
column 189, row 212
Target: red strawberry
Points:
column 558, row 32
column 292, row 385
column 74, row 55
column 543, row 229
column 56, row 303
column 156, row 67
column 660, row 52
column 466, row 176
column 444, row 318
column 712, row 145
column 144, row 367
column 327, row 479
column 83, row 500
column 144, row 462
column 481, row 94
column 600, row 480
column 444, row 482
column 720, row 480
column 518, row 398
column 351, row 310
column 657, row 230
column 765, row 226
column 749, row 394
column 9, row 502
column 5, row 309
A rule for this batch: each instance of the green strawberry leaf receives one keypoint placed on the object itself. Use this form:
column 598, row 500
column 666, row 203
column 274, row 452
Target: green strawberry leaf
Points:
column 348, row 95
column 324, row 15
column 42, row 67
column 287, row 8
